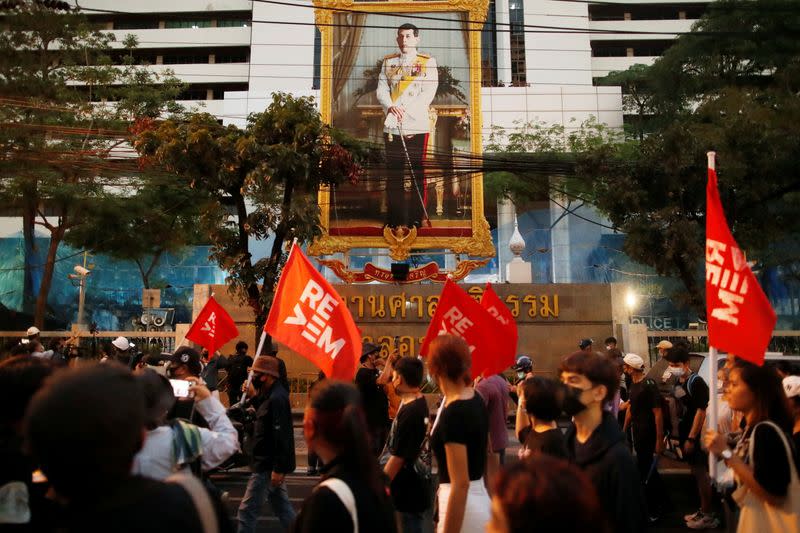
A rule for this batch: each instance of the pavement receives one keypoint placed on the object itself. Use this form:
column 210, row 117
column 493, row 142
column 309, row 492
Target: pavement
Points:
column 678, row 481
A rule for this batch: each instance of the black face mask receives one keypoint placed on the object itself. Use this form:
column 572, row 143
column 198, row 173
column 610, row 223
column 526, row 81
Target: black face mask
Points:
column 572, row 400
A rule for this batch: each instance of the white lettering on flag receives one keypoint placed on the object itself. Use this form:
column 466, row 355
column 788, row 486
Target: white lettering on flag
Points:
column 455, row 323
column 316, row 329
column 495, row 313
column 722, row 271
column 210, row 325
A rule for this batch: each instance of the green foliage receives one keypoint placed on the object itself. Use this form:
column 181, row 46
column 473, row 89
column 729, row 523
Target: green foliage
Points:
column 258, row 182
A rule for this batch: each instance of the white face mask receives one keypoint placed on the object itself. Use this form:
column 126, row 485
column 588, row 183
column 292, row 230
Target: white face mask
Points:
column 520, row 375
column 677, row 371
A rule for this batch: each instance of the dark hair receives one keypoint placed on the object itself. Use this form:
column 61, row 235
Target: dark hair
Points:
column 408, row 26
column 240, row 345
column 597, row 369
column 677, row 354
column 787, row 367
column 84, row 428
column 340, row 421
column 542, row 398
column 410, row 369
column 448, row 356
column 767, row 388
column 158, row 397
column 550, row 493
column 610, row 340
column 20, row 377
column 193, row 364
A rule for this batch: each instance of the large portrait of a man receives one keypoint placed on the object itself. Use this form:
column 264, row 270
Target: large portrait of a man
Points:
column 406, row 84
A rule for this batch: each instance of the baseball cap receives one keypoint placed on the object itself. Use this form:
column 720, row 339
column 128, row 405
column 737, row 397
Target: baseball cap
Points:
column 267, row 364
column 633, row 360
column 33, row 330
column 584, row 343
column 121, row 343
column 791, row 384
column 664, row 345
column 187, row 356
column 368, row 348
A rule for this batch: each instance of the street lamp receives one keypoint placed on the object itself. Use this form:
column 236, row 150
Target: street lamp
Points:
column 631, row 299
column 80, row 274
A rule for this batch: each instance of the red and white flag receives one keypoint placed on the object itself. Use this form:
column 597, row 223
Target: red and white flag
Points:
column 308, row 316
column 507, row 340
column 740, row 318
column 213, row 327
column 457, row 313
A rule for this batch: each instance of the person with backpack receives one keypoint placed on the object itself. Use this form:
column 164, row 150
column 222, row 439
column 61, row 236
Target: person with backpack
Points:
column 406, row 467
column 644, row 418
column 351, row 496
column 692, row 394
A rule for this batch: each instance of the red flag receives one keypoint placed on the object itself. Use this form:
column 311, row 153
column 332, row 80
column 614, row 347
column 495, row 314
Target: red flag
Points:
column 458, row 314
column 308, row 316
column 507, row 340
column 740, row 318
column 213, row 327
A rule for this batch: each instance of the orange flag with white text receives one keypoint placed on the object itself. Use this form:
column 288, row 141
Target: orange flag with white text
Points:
column 308, row 316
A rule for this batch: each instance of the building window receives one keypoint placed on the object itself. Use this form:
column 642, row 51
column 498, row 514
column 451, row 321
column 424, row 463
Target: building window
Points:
column 233, row 23
column 489, row 49
column 135, row 24
column 185, row 58
column 516, row 17
column 642, row 48
column 230, row 57
column 606, row 12
column 172, row 24
column 317, row 58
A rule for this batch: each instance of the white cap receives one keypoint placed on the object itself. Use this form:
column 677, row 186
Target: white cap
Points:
column 791, row 384
column 664, row 345
column 33, row 330
column 121, row 343
column 633, row 360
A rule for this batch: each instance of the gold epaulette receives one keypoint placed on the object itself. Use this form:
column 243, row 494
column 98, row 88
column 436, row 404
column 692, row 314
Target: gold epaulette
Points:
column 391, row 56
column 426, row 56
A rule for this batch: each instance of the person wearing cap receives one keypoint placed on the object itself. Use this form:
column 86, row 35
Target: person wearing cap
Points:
column 120, row 351
column 586, row 345
column 31, row 335
column 369, row 381
column 644, row 418
column 184, row 363
column 791, row 385
column 272, row 447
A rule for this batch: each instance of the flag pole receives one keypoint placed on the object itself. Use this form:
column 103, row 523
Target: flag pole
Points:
column 713, row 356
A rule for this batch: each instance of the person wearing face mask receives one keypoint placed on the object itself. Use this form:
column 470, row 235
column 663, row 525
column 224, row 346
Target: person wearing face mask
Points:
column 691, row 392
column 524, row 369
column 272, row 447
column 594, row 440
column 370, row 381
column 408, row 488
column 185, row 364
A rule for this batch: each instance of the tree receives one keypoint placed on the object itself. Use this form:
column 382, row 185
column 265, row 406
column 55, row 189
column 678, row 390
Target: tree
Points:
column 259, row 181
column 142, row 226
column 59, row 139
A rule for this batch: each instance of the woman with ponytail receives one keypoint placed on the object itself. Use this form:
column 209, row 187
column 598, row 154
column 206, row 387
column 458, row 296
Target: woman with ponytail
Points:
column 351, row 495
column 460, row 440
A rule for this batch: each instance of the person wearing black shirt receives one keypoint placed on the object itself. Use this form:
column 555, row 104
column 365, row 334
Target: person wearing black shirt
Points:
column 644, row 418
column 272, row 448
column 408, row 488
column 237, row 371
column 763, row 462
column 352, row 488
column 210, row 372
column 791, row 385
column 691, row 392
column 460, row 440
column 370, row 381
column 595, row 442
column 538, row 409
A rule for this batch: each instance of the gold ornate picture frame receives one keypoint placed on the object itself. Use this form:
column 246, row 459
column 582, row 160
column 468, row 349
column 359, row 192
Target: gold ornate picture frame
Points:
column 331, row 17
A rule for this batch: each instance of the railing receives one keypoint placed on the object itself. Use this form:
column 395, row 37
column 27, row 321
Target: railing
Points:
column 145, row 341
column 783, row 341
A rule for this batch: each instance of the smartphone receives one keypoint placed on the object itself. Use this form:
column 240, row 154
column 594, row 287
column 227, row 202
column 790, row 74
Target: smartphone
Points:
column 180, row 387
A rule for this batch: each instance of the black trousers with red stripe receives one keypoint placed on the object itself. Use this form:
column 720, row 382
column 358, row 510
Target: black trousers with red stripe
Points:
column 405, row 208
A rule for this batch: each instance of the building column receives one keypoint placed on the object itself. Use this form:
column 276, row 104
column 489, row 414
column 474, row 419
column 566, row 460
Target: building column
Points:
column 503, row 18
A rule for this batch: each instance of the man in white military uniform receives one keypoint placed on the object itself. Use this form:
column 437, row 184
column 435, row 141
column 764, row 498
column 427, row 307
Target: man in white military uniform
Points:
column 407, row 85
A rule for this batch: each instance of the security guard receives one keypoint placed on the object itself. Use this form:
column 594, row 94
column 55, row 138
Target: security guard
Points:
column 407, row 85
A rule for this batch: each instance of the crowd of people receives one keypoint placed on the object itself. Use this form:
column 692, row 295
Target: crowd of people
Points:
column 126, row 443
